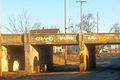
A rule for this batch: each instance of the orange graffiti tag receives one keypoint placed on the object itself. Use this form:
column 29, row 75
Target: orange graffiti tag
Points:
column 103, row 38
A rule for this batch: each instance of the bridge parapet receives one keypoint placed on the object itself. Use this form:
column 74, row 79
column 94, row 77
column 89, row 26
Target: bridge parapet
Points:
column 60, row 39
column 55, row 39
column 102, row 38
column 11, row 39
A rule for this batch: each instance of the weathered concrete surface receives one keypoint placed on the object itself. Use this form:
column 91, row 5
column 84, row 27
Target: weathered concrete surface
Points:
column 87, row 58
column 4, row 59
column 56, row 39
column 12, row 39
column 61, row 39
column 102, row 38
column 30, row 55
column 39, row 39
column 86, row 55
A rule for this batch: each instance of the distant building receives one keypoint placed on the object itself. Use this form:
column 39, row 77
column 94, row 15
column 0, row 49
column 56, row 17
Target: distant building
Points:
column 45, row 31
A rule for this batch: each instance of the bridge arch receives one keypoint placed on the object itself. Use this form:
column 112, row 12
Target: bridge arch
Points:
column 15, row 53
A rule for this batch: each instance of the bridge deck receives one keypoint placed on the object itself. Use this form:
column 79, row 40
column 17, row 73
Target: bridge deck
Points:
column 55, row 39
column 11, row 39
column 60, row 39
column 39, row 39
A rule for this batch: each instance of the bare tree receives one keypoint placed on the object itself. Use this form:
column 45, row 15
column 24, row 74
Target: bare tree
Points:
column 37, row 25
column 115, row 28
column 22, row 24
column 88, row 24
column 74, row 28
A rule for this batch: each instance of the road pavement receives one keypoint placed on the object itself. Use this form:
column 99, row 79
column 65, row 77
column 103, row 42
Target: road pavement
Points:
column 108, row 68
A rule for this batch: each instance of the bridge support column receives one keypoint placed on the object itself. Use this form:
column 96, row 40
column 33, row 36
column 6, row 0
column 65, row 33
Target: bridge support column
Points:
column 87, row 57
column 28, row 66
column 28, row 54
column 31, row 59
column 92, row 56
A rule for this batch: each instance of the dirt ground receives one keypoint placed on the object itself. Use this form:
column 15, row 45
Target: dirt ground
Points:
column 108, row 68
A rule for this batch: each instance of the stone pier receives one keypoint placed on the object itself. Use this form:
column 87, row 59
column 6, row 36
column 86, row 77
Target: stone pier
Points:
column 87, row 55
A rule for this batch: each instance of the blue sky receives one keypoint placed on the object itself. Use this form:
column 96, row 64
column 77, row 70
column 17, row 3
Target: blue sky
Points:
column 51, row 12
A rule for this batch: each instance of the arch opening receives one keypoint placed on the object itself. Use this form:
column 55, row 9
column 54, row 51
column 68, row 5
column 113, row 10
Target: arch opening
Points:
column 36, row 64
column 15, row 65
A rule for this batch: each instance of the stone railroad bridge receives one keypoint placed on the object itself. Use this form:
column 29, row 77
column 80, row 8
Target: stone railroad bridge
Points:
column 34, row 50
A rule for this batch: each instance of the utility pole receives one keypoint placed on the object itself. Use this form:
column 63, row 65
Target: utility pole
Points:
column 65, row 15
column 65, row 30
column 97, row 22
column 81, row 21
